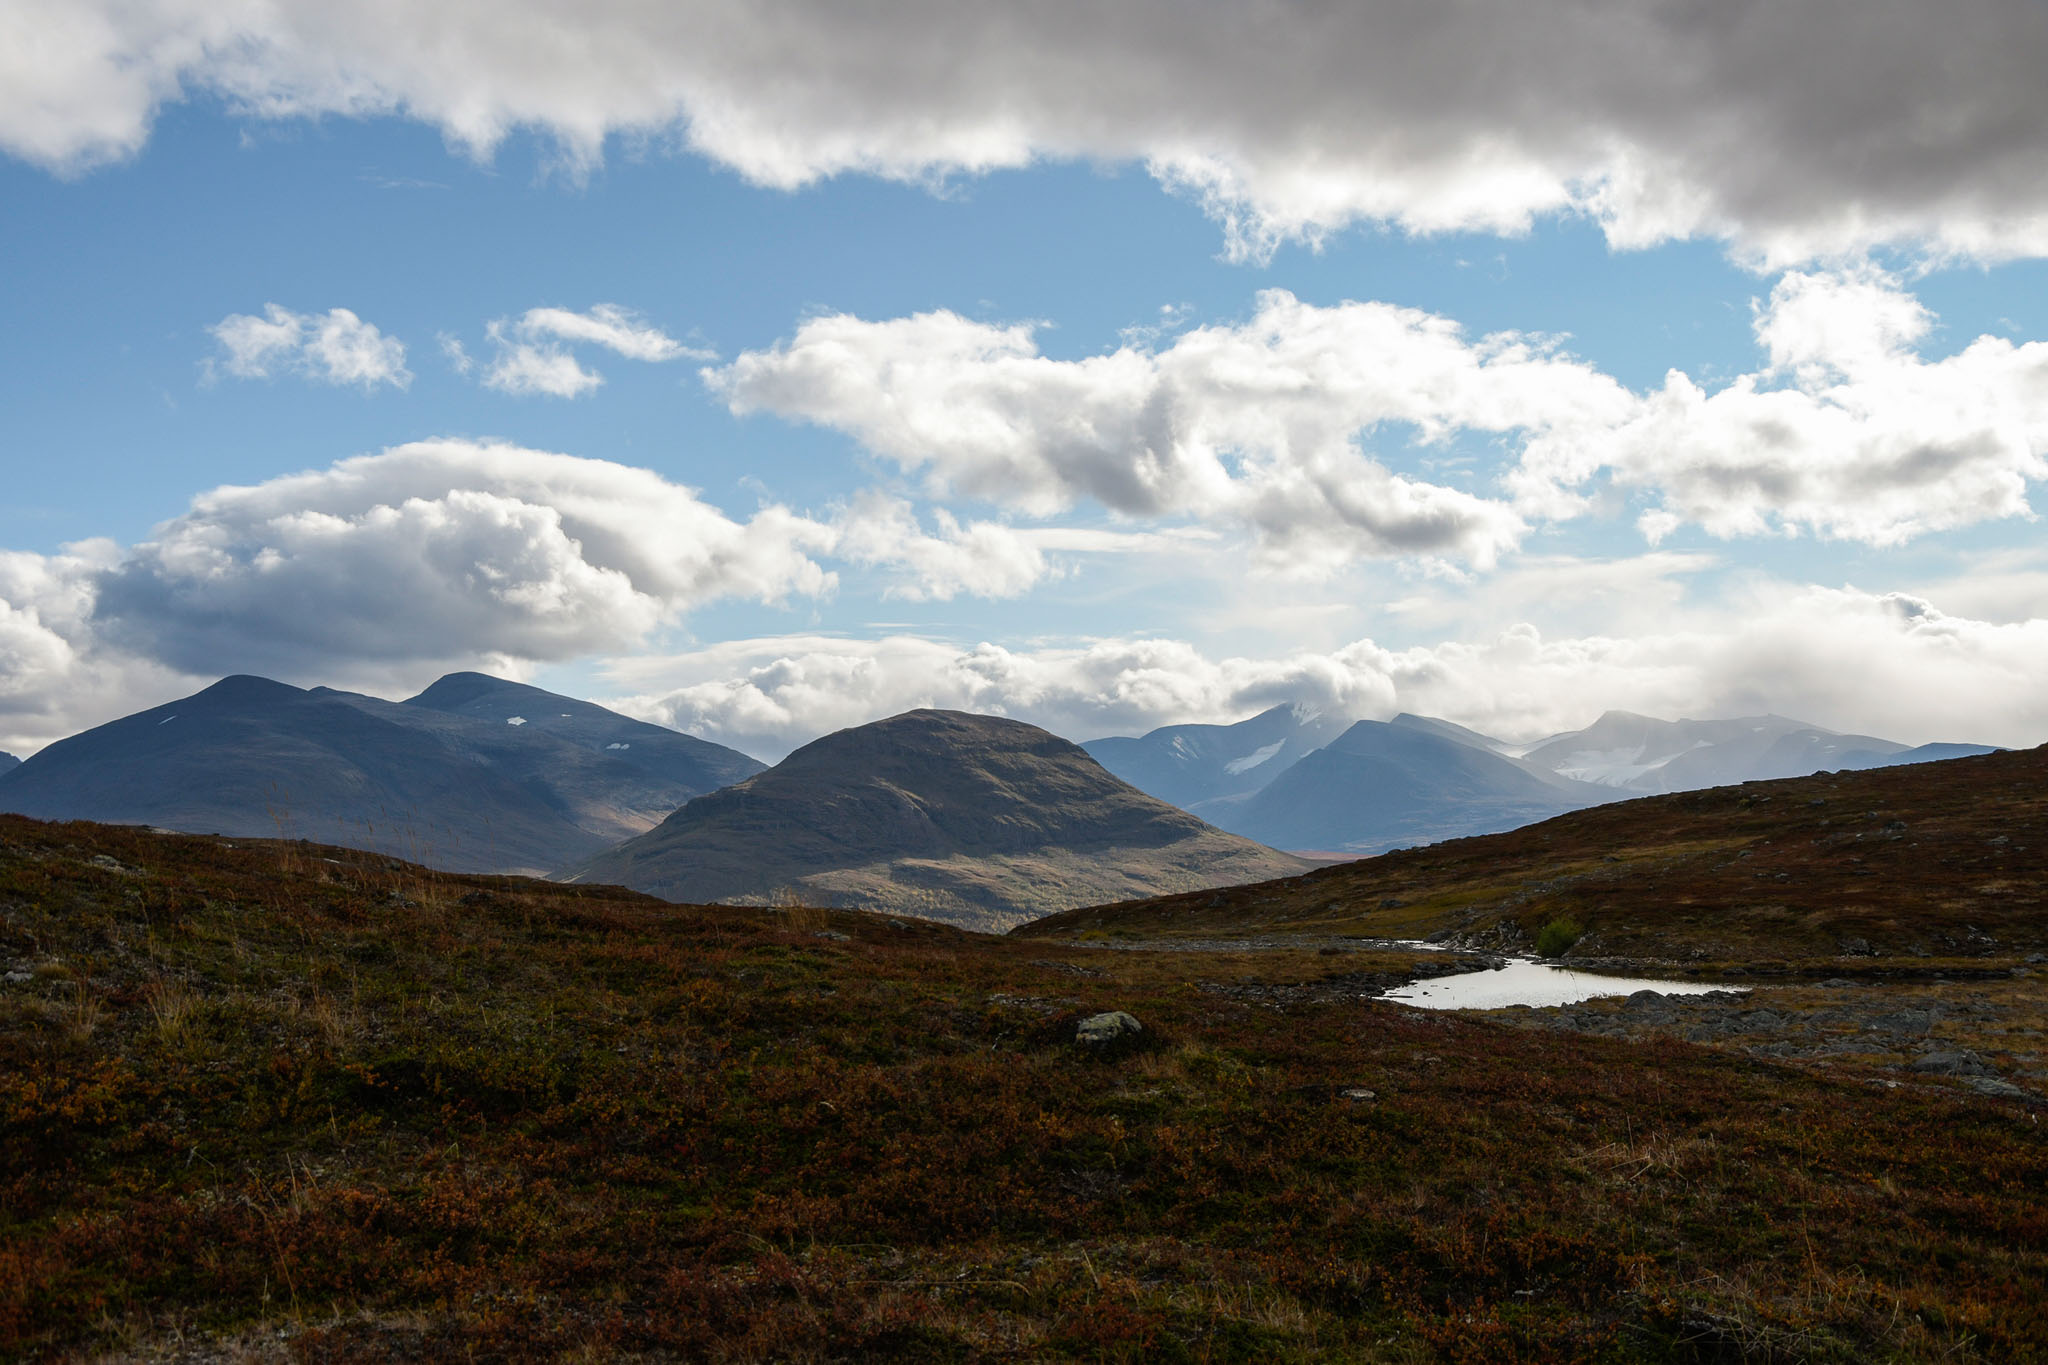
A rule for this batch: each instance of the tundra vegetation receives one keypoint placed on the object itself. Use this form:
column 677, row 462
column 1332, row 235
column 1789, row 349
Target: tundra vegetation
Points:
column 272, row 1100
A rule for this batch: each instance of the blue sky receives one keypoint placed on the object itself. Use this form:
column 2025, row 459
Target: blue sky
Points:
column 1154, row 403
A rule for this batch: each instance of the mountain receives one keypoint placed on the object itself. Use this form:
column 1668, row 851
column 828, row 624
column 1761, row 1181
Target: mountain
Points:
column 452, row 778
column 1643, row 754
column 974, row 819
column 1382, row 784
column 667, row 754
column 7, row 761
column 1208, row 768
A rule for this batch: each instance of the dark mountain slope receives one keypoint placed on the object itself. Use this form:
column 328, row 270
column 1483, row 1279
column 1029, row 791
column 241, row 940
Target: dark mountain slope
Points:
column 7, row 761
column 249, row 756
column 1380, row 785
column 670, row 755
column 969, row 818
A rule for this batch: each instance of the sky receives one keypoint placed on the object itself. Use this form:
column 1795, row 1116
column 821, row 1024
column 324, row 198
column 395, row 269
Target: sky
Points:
column 765, row 368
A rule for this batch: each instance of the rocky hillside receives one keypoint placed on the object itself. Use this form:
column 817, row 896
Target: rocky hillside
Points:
column 973, row 819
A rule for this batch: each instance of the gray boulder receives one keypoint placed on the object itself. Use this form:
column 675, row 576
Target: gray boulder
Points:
column 1099, row 1030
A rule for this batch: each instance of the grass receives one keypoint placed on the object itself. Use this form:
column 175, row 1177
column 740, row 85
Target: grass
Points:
column 1924, row 863
column 318, row 1114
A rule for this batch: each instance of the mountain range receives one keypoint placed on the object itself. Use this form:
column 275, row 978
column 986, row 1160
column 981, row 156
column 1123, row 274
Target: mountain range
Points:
column 1285, row 778
column 7, row 761
column 975, row 819
column 473, row 774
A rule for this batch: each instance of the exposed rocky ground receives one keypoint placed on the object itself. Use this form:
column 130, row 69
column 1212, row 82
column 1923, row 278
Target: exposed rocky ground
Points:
column 1987, row 1036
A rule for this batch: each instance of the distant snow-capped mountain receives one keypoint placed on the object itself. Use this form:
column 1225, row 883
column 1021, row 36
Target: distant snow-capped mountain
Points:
column 1208, row 768
column 1297, row 780
column 1641, row 754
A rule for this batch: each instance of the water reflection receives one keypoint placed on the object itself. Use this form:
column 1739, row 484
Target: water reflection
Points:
column 1523, row 982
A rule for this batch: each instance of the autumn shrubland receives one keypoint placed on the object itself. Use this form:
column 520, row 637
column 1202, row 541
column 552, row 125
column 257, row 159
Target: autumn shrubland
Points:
column 263, row 1100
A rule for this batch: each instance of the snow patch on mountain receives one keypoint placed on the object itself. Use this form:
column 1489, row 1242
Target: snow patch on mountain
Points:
column 1254, row 758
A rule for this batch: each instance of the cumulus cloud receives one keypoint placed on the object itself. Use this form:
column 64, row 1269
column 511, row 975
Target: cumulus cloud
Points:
column 1256, row 423
column 1278, row 424
column 1881, row 663
column 335, row 347
column 1796, row 131
column 1848, row 433
column 57, row 675
column 532, row 356
column 389, row 568
column 439, row 550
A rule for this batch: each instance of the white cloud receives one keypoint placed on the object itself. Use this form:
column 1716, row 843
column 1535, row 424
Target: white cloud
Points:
column 56, row 674
column 1879, row 663
column 1254, row 423
column 531, row 356
column 335, row 347
column 1274, row 424
column 1796, row 131
column 1867, row 442
column 442, row 550
column 980, row 559
column 386, row 569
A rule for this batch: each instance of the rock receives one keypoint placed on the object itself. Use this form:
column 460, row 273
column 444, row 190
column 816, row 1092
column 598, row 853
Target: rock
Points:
column 833, row 935
column 1097, row 1030
column 1991, row 1085
column 1857, row 947
column 1836, row 983
column 1950, row 1064
column 1358, row 1095
column 1644, row 999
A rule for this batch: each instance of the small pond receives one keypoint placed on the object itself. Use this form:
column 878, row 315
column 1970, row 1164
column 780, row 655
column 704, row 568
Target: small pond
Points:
column 1523, row 982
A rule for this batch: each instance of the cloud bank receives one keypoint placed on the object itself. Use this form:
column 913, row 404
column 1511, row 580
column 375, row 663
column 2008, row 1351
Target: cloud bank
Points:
column 1286, row 424
column 386, row 569
column 1794, row 131
column 1882, row 663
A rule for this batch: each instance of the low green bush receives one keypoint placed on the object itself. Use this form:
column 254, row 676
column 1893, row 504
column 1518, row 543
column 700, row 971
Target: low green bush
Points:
column 1556, row 938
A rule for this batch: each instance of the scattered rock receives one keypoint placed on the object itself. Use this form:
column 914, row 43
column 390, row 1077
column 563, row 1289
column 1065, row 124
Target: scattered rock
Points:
column 1950, row 1064
column 1070, row 968
column 1836, row 983
column 834, row 935
column 1098, row 1030
column 1991, row 1085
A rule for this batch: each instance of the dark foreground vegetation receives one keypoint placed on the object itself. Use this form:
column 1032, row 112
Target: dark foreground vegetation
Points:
column 280, row 1101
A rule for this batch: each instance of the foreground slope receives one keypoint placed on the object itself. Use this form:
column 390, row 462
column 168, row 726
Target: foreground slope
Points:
column 275, row 1103
column 975, row 819
column 1938, row 860
column 253, row 757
